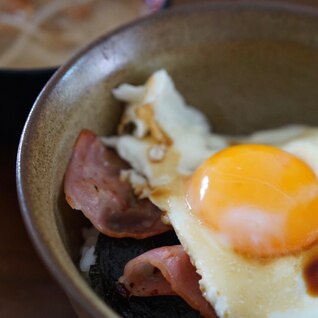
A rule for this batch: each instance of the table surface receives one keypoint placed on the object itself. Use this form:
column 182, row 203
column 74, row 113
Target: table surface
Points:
column 26, row 287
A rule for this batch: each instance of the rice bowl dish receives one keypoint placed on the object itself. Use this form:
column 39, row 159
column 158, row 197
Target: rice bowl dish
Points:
column 248, row 86
column 254, row 244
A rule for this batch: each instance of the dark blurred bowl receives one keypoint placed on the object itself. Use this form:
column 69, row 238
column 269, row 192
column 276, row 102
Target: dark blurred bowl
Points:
column 20, row 87
column 246, row 65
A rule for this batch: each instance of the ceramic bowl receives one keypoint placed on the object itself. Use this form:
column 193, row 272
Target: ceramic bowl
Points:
column 246, row 65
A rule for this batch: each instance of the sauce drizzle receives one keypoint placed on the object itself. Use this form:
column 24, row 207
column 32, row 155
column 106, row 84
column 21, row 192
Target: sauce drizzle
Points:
column 310, row 273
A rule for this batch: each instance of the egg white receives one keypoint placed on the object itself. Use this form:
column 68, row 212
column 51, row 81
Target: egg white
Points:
column 237, row 287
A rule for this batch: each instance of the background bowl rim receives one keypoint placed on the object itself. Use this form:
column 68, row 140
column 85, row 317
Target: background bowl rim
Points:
column 32, row 71
column 66, row 282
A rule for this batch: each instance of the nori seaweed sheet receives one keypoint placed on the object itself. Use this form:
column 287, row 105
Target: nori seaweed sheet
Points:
column 112, row 256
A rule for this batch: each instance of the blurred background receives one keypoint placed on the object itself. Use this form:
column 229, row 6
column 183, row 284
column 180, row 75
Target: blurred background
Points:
column 36, row 36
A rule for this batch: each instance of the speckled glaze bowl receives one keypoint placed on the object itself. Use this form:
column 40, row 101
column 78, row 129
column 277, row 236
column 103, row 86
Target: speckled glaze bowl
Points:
column 246, row 65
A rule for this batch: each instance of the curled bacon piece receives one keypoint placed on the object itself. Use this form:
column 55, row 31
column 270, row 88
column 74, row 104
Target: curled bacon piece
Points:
column 92, row 185
column 166, row 271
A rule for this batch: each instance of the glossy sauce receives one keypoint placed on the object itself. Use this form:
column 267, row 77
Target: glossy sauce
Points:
column 310, row 273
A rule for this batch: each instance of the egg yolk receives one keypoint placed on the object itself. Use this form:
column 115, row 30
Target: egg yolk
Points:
column 259, row 199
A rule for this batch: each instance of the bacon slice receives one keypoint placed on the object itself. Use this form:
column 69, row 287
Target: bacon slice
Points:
column 92, row 185
column 166, row 271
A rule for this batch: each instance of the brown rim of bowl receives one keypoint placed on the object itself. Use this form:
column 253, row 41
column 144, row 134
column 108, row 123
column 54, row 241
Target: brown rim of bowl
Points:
column 81, row 297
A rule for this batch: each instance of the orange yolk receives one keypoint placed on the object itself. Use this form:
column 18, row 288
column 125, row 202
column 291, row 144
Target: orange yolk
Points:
column 261, row 200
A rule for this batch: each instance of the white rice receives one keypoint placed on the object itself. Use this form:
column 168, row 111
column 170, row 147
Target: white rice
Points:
column 88, row 256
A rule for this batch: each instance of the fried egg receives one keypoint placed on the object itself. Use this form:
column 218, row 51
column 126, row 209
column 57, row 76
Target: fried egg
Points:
column 247, row 215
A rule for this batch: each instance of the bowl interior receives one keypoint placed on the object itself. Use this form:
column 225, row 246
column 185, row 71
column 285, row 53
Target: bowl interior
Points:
column 247, row 66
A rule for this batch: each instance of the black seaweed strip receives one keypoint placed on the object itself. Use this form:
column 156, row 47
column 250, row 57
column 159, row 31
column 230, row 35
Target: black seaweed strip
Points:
column 112, row 255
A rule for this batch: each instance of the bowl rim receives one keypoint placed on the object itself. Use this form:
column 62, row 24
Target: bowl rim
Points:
column 66, row 282
column 19, row 71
